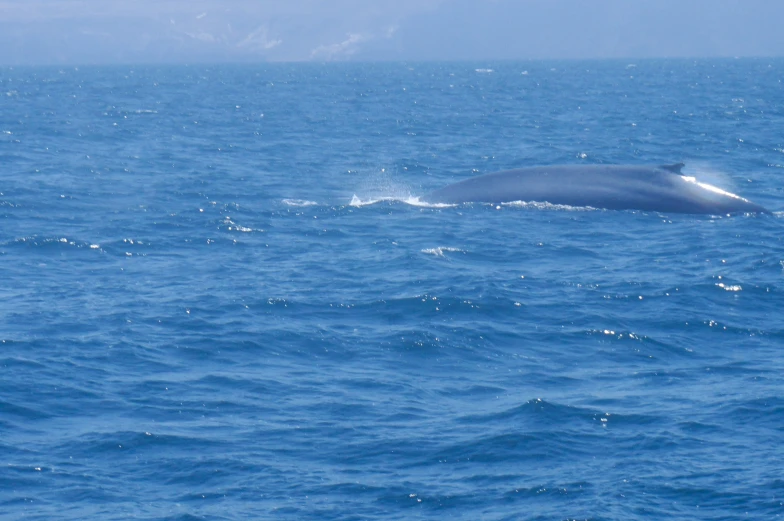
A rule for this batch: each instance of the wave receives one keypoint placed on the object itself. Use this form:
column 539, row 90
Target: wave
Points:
column 51, row 242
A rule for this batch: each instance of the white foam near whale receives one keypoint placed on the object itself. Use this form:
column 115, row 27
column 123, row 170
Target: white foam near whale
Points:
column 410, row 200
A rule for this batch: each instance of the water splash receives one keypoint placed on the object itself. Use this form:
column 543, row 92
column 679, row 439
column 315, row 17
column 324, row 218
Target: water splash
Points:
column 409, row 200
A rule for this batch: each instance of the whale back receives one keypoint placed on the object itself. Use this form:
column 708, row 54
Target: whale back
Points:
column 615, row 187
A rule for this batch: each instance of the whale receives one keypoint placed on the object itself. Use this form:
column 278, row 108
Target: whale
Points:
column 662, row 188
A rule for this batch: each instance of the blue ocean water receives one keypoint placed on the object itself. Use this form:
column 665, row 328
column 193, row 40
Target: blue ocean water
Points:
column 223, row 299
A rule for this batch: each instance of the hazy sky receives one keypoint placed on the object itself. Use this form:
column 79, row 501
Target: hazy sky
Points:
column 155, row 31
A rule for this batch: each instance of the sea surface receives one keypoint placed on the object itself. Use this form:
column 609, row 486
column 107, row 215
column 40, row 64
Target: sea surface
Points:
column 222, row 297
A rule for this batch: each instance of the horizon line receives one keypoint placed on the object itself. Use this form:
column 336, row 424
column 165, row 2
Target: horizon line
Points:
column 251, row 62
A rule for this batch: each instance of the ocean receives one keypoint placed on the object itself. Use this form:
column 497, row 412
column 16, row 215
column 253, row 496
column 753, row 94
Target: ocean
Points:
column 223, row 296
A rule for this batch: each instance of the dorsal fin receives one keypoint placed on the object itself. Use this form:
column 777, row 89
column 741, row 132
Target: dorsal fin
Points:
column 675, row 169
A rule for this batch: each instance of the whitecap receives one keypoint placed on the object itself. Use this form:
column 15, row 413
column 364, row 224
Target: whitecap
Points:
column 240, row 229
column 439, row 251
column 299, row 202
column 236, row 227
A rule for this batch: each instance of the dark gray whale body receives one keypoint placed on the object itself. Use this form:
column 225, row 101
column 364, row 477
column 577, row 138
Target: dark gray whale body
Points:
column 614, row 187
